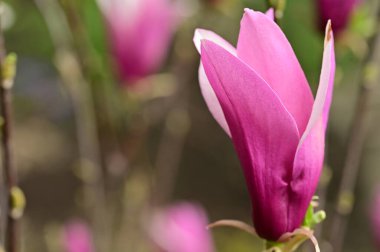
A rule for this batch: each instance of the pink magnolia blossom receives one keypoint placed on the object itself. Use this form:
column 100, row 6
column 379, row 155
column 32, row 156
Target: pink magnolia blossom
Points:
column 140, row 32
column 338, row 11
column 77, row 237
column 181, row 228
column 375, row 218
column 259, row 95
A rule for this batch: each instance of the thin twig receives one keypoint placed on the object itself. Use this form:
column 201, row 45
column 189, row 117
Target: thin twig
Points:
column 89, row 150
column 355, row 146
column 110, row 118
column 8, row 164
column 7, row 152
column 170, row 153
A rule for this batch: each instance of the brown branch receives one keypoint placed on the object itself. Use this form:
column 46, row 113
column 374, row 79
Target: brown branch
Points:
column 7, row 152
column 8, row 164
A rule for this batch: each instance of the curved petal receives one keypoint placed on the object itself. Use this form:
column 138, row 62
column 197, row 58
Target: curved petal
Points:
column 212, row 101
column 264, row 134
column 308, row 161
column 140, row 32
column 264, row 47
column 206, row 89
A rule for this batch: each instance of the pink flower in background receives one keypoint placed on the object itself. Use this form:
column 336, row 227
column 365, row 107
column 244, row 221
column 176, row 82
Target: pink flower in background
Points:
column 338, row 11
column 140, row 33
column 259, row 95
column 375, row 218
column 181, row 228
column 77, row 237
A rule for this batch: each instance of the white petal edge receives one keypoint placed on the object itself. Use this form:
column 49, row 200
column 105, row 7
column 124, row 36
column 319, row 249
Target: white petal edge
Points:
column 323, row 88
column 201, row 34
column 208, row 93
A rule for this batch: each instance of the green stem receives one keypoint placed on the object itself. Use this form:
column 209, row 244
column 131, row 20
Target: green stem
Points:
column 271, row 246
column 293, row 244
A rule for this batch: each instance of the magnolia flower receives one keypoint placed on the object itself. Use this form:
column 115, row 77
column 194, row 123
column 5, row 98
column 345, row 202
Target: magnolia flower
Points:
column 338, row 11
column 259, row 95
column 181, row 228
column 77, row 237
column 140, row 32
column 375, row 218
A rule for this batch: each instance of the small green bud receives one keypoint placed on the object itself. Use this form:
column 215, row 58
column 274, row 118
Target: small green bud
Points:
column 319, row 216
column 9, row 70
column 18, row 202
column 313, row 218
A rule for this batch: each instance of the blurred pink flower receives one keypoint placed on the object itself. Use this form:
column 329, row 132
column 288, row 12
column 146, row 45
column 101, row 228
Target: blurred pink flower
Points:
column 140, row 33
column 338, row 11
column 181, row 228
column 77, row 237
column 259, row 95
column 375, row 218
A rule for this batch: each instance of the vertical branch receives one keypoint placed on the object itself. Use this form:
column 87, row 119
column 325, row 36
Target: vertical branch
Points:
column 6, row 142
column 69, row 67
column 356, row 142
column 109, row 117
column 170, row 153
column 8, row 164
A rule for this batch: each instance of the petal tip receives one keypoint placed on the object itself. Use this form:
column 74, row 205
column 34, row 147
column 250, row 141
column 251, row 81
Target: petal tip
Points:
column 257, row 14
column 248, row 11
column 270, row 13
column 197, row 39
column 329, row 32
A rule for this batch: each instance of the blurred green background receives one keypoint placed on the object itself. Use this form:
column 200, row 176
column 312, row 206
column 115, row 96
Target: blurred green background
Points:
column 208, row 170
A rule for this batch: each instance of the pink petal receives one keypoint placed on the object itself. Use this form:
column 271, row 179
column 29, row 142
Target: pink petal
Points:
column 212, row 101
column 201, row 34
column 206, row 89
column 182, row 228
column 270, row 13
column 140, row 32
column 264, row 47
column 308, row 161
column 265, row 135
column 120, row 13
column 77, row 237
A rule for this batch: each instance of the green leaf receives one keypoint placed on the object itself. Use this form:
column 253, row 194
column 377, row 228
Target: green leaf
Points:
column 307, row 222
